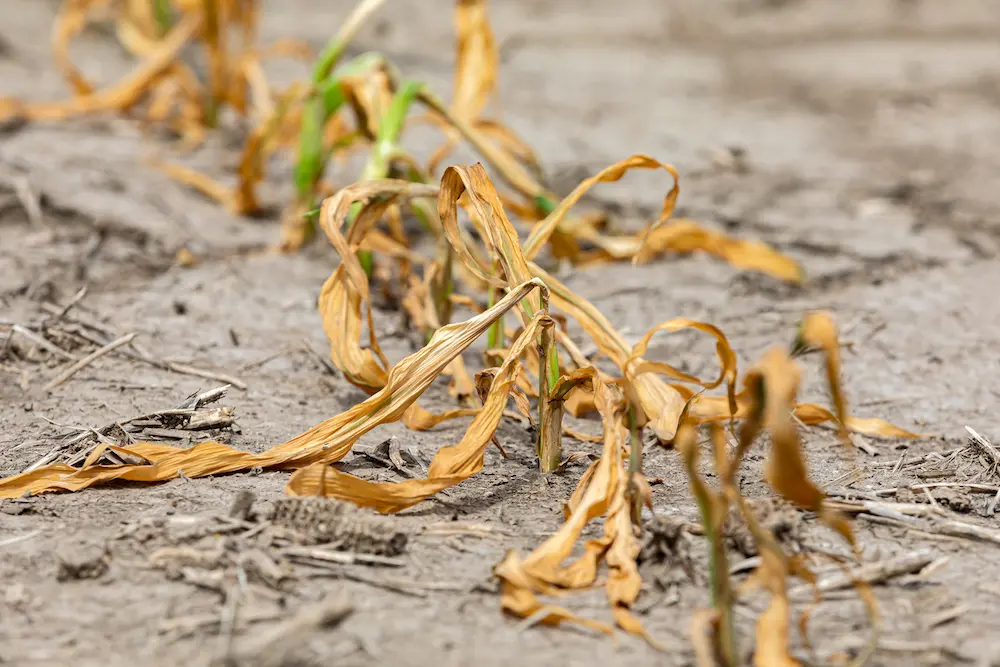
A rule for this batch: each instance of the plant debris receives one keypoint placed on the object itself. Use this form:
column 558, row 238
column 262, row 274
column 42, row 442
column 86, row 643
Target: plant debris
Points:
column 338, row 525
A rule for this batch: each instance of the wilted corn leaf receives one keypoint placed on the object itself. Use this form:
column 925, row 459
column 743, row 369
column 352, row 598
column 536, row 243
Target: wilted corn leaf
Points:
column 483, row 204
column 818, row 331
column 601, row 491
column 661, row 403
column 506, row 164
column 772, row 624
column 124, row 95
column 70, row 21
column 810, row 413
column 477, row 60
column 325, row 443
column 636, row 365
column 774, row 384
column 704, row 633
column 682, row 236
column 519, row 599
column 542, row 230
column 686, row 236
column 449, row 466
column 344, row 293
column 241, row 200
column 485, row 207
column 346, row 290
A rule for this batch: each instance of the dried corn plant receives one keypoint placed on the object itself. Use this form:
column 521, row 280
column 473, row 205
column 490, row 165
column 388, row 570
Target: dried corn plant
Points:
column 538, row 360
column 530, row 360
column 155, row 32
column 310, row 119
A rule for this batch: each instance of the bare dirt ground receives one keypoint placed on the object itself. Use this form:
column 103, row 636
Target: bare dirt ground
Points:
column 870, row 130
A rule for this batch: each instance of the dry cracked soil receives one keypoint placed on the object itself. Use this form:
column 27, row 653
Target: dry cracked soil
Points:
column 866, row 132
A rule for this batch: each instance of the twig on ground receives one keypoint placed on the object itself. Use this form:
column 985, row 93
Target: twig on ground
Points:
column 992, row 508
column 324, row 362
column 869, row 573
column 61, row 313
column 19, row 538
column 967, row 530
column 86, row 361
column 250, row 365
column 227, row 622
column 189, row 413
column 985, row 445
column 341, row 557
column 862, row 443
column 947, row 616
column 931, row 456
column 275, row 646
column 29, row 200
column 184, row 369
column 188, row 625
column 42, row 342
column 138, row 353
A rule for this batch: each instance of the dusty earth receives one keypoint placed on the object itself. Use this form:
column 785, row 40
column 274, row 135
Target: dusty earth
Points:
column 869, row 129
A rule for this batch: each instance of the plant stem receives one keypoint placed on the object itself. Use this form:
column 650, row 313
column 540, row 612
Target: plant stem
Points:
column 714, row 509
column 722, row 594
column 495, row 334
column 215, row 40
column 386, row 140
column 163, row 16
column 634, row 464
column 549, row 410
column 445, row 283
column 334, row 49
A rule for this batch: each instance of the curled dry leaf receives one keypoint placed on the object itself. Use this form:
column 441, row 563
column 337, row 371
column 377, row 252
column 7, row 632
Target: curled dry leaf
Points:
column 544, row 229
column 242, row 200
column 818, row 331
column 601, row 492
column 449, row 466
column 687, row 236
column 325, row 443
column 124, row 95
column 636, row 365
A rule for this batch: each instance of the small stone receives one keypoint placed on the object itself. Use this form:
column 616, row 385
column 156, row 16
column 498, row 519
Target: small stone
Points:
column 86, row 561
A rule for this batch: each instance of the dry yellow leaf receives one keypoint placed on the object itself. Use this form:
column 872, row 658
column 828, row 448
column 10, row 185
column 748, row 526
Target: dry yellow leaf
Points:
column 449, row 466
column 661, row 403
column 542, row 230
column 686, row 236
column 124, row 95
column 477, row 60
column 325, row 443
column 636, row 365
column 601, row 492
